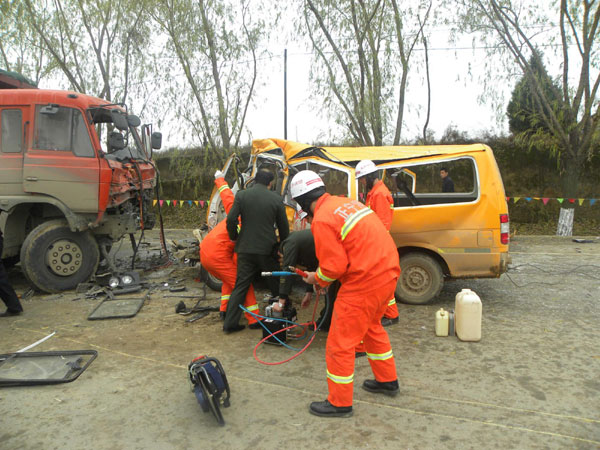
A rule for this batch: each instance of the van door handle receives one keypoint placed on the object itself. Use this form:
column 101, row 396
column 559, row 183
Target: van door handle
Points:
column 31, row 178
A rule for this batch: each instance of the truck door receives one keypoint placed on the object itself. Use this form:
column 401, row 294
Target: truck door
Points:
column 14, row 121
column 61, row 161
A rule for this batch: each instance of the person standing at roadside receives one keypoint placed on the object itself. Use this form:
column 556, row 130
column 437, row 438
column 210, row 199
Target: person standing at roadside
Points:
column 7, row 293
column 380, row 200
column 219, row 259
column 352, row 246
column 260, row 210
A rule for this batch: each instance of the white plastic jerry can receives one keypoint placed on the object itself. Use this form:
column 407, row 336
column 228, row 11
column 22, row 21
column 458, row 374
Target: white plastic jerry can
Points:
column 468, row 315
column 441, row 322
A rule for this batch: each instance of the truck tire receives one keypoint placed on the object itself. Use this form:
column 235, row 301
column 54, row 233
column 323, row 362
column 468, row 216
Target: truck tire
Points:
column 421, row 279
column 56, row 259
column 211, row 281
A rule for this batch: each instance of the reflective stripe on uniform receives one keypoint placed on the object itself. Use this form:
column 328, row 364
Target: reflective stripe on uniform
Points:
column 323, row 277
column 352, row 220
column 380, row 356
column 392, row 302
column 339, row 379
column 225, row 298
column 222, row 188
column 253, row 307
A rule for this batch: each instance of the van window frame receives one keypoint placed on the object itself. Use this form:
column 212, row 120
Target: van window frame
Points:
column 347, row 170
column 421, row 162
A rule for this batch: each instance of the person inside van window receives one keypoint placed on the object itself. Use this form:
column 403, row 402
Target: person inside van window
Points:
column 447, row 183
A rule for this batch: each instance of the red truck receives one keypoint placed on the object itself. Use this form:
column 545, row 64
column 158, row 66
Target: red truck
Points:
column 75, row 176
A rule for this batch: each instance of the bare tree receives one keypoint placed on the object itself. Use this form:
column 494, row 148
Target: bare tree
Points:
column 572, row 119
column 215, row 42
column 364, row 50
column 100, row 46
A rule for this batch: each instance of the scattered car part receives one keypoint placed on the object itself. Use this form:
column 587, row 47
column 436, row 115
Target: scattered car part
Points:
column 34, row 368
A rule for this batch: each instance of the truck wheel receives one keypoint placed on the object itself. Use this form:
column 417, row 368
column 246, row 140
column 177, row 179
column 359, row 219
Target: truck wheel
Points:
column 211, row 281
column 421, row 279
column 56, row 259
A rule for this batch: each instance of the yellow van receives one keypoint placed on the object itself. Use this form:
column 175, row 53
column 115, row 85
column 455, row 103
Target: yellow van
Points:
column 459, row 234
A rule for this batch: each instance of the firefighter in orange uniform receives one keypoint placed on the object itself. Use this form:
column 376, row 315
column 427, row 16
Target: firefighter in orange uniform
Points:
column 218, row 258
column 380, row 200
column 353, row 247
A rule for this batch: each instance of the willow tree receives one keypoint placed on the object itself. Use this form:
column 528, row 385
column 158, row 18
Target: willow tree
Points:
column 215, row 43
column 101, row 47
column 364, row 52
column 20, row 49
column 516, row 28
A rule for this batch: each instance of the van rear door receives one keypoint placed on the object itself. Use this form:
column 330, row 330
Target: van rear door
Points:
column 60, row 160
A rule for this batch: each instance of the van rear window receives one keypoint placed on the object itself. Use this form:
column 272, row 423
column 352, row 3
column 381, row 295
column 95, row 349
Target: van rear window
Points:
column 61, row 129
column 450, row 181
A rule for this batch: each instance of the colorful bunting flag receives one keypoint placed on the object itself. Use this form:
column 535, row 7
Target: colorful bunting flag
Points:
column 560, row 200
column 545, row 200
column 517, row 199
column 581, row 201
column 202, row 203
column 154, row 202
column 592, row 201
column 528, row 199
column 189, row 202
column 168, row 202
column 180, row 203
column 571, row 200
column 161, row 202
column 196, row 202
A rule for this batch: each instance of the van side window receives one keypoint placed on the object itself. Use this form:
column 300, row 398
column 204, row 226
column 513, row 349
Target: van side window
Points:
column 12, row 131
column 335, row 180
column 61, row 129
column 429, row 185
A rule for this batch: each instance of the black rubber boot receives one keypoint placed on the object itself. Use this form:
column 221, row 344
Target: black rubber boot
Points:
column 387, row 322
column 390, row 388
column 233, row 329
column 255, row 326
column 326, row 409
column 222, row 315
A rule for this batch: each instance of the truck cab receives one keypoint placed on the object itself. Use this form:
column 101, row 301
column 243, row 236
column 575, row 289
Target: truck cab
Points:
column 75, row 175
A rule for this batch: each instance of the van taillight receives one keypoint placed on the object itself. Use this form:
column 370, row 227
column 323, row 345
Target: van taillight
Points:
column 504, row 228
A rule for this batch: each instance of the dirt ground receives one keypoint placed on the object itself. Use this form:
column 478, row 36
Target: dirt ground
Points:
column 531, row 382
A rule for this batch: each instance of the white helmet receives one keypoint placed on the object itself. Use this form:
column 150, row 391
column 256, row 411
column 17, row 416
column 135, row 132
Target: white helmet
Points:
column 365, row 167
column 303, row 182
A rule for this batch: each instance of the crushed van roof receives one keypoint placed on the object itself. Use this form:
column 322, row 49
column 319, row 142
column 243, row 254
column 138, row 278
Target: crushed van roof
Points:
column 294, row 150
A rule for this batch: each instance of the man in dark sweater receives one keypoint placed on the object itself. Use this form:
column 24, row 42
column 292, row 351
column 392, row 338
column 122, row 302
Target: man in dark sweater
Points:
column 260, row 210
column 298, row 249
column 447, row 183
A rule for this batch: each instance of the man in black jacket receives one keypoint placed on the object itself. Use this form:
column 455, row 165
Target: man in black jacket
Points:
column 7, row 293
column 447, row 183
column 260, row 210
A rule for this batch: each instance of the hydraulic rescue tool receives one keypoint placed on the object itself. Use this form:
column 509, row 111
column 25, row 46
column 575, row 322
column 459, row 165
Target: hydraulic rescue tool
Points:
column 209, row 383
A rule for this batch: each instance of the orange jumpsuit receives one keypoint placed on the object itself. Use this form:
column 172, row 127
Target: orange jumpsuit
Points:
column 217, row 256
column 353, row 247
column 380, row 200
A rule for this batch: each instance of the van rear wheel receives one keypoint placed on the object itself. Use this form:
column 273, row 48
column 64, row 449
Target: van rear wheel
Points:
column 55, row 259
column 421, row 279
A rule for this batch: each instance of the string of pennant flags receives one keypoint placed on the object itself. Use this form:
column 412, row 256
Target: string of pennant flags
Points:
column 544, row 200
column 560, row 200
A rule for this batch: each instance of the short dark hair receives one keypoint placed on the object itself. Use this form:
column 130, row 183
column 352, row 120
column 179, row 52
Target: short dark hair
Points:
column 445, row 169
column 263, row 177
